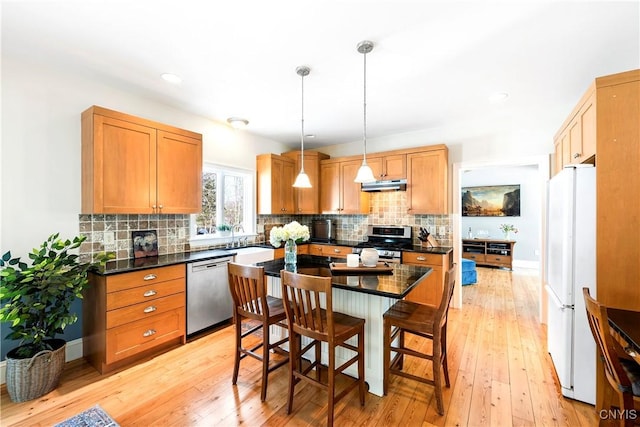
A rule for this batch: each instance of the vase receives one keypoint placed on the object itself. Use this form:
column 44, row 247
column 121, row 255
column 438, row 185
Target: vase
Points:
column 507, row 235
column 369, row 257
column 290, row 252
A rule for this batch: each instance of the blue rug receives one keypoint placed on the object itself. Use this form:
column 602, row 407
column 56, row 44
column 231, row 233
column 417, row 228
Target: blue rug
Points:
column 92, row 417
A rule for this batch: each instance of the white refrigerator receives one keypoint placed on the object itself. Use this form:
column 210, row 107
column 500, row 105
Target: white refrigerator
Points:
column 571, row 265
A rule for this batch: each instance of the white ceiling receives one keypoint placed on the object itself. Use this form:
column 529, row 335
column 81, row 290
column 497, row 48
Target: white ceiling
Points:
column 434, row 64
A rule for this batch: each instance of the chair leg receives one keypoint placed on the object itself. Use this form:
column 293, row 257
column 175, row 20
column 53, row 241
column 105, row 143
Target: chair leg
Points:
column 236, row 366
column 331, row 390
column 445, row 366
column 318, row 353
column 401, row 345
column 361, row 359
column 386, row 350
column 265, row 361
column 437, row 378
column 294, row 365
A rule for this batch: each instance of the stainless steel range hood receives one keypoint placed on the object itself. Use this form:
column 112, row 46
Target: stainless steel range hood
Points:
column 389, row 185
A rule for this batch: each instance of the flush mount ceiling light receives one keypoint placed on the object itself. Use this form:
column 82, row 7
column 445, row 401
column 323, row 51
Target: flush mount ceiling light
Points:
column 498, row 97
column 237, row 122
column 302, row 180
column 171, row 78
column 365, row 174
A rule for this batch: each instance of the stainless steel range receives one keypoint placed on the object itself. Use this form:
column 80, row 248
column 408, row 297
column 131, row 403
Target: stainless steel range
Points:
column 388, row 241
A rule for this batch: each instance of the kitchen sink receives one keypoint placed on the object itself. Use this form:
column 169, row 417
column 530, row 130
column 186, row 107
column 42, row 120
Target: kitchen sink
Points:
column 251, row 255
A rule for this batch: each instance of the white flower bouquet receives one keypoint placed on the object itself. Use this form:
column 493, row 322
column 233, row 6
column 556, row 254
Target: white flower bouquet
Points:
column 292, row 231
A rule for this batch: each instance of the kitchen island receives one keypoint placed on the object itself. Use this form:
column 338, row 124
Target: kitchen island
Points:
column 364, row 295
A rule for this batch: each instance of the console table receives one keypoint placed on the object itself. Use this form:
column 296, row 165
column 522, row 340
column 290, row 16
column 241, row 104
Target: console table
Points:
column 494, row 252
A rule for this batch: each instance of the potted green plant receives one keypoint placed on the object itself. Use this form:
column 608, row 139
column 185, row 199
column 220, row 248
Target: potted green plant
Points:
column 36, row 302
column 224, row 229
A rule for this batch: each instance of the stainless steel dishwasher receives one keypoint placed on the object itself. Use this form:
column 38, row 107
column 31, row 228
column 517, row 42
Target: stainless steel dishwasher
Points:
column 208, row 297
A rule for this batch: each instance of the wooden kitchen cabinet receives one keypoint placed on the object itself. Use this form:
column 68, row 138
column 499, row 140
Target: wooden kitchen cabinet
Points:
column 427, row 181
column 329, row 250
column 132, row 165
column 129, row 316
column 275, row 184
column 393, row 166
column 307, row 200
column 430, row 290
column 338, row 193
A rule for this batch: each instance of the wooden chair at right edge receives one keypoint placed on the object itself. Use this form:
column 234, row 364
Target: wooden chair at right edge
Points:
column 618, row 366
column 426, row 321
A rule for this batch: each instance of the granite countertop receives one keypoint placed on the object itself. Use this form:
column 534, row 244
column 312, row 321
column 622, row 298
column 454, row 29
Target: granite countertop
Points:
column 439, row 250
column 395, row 284
column 127, row 265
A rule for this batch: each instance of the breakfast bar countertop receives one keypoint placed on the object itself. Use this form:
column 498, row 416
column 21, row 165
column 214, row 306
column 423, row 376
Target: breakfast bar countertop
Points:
column 395, row 284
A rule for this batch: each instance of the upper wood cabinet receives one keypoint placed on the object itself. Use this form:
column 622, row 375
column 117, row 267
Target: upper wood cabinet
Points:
column 275, row 184
column 427, row 180
column 307, row 200
column 389, row 167
column 575, row 142
column 338, row 193
column 136, row 166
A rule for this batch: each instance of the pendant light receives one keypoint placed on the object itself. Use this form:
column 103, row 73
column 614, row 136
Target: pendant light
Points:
column 365, row 174
column 302, row 180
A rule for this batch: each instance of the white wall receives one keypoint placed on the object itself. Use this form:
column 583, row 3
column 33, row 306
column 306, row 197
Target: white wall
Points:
column 40, row 164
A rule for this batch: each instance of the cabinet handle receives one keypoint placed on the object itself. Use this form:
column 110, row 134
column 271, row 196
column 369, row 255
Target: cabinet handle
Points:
column 337, row 251
column 150, row 277
column 421, row 258
column 148, row 333
column 576, row 155
column 149, row 293
column 150, row 309
column 161, row 206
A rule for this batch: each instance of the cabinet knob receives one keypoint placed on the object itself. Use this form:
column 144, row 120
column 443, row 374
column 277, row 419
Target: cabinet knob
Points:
column 149, row 293
column 150, row 277
column 150, row 309
column 421, row 258
column 161, row 206
column 337, row 251
column 149, row 332
column 576, row 155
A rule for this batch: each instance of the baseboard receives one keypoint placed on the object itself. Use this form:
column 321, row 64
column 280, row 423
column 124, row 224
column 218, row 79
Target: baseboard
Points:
column 73, row 351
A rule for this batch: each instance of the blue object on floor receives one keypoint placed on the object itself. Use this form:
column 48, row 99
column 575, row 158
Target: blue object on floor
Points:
column 469, row 274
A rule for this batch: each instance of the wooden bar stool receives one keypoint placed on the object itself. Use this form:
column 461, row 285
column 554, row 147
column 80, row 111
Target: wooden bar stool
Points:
column 423, row 320
column 249, row 292
column 302, row 295
column 622, row 372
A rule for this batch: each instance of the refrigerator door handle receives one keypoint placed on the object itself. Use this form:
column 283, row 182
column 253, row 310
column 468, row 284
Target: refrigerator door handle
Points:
column 556, row 300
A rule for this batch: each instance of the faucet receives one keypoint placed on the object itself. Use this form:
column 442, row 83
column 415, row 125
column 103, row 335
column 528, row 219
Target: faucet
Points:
column 234, row 228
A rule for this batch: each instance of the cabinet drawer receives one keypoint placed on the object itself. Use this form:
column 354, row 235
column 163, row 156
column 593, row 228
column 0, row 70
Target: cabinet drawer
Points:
column 144, row 310
column 144, row 293
column 315, row 249
column 132, row 338
column 498, row 259
column 419, row 258
column 339, row 251
column 473, row 256
column 119, row 282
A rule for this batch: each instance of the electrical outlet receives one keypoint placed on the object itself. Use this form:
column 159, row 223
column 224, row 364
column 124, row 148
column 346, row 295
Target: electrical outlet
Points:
column 181, row 233
column 442, row 230
column 109, row 238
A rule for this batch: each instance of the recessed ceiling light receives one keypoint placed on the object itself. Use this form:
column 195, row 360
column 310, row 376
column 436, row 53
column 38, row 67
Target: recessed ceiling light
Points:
column 237, row 122
column 172, row 78
column 309, row 135
column 498, row 97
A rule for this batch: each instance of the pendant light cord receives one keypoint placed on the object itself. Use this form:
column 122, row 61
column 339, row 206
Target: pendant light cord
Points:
column 364, row 108
column 302, row 126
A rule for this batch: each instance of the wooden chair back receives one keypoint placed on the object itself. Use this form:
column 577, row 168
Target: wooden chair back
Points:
column 442, row 314
column 248, row 290
column 302, row 296
column 599, row 324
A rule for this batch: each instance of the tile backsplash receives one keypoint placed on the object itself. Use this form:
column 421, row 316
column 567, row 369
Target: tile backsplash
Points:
column 387, row 208
column 168, row 228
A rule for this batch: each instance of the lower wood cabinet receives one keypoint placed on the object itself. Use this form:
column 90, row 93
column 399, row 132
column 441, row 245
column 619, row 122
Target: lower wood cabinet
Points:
column 132, row 315
column 430, row 290
column 329, row 250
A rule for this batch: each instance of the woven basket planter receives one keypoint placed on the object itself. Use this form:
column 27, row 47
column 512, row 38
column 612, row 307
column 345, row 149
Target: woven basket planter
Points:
column 28, row 379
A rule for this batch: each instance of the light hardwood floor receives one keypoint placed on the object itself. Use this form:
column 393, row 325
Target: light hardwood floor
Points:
column 500, row 375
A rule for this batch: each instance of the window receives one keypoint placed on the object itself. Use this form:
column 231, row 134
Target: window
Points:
column 227, row 199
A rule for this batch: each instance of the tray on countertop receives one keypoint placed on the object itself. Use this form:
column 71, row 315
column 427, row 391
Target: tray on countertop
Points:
column 341, row 267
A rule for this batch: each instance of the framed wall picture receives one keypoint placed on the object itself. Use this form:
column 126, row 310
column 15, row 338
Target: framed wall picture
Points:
column 145, row 243
column 492, row 200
